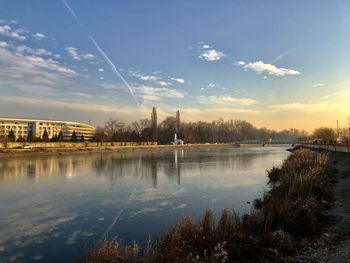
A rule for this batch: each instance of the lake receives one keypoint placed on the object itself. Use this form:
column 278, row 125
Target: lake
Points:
column 56, row 208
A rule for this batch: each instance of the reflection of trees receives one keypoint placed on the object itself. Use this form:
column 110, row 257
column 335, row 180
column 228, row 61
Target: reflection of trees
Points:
column 146, row 166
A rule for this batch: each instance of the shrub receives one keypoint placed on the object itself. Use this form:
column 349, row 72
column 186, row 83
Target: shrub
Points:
column 293, row 209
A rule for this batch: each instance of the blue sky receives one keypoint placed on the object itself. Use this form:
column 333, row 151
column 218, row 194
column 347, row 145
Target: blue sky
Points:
column 278, row 64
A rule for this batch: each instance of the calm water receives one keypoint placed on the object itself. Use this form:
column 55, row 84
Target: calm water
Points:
column 53, row 209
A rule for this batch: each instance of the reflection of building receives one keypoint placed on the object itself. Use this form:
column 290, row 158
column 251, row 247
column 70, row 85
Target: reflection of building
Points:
column 41, row 168
column 21, row 128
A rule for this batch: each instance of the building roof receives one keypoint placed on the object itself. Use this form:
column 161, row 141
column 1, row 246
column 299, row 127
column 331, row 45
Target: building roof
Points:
column 43, row 120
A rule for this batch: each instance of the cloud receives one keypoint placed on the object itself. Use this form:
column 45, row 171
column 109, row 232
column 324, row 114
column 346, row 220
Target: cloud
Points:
column 3, row 44
column 154, row 94
column 151, row 78
column 212, row 85
column 206, row 46
column 22, row 66
column 178, row 80
column 164, row 83
column 261, row 67
column 42, row 51
column 225, row 100
column 7, row 30
column 75, row 54
column 315, row 85
column 211, row 54
column 39, row 36
column 6, row 21
column 240, row 63
column 100, row 70
column 23, row 49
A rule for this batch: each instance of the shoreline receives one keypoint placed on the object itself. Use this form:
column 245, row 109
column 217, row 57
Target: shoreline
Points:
column 334, row 245
column 38, row 151
column 295, row 212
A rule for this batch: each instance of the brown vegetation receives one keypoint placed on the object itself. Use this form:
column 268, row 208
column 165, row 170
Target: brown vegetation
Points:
column 294, row 209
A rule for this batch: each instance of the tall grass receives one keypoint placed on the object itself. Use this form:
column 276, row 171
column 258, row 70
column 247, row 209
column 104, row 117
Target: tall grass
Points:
column 294, row 209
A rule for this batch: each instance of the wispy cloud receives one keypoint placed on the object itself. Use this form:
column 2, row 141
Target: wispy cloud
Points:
column 23, row 49
column 212, row 85
column 39, row 36
column 75, row 54
column 26, row 59
column 281, row 56
column 7, row 30
column 155, row 94
column 3, row 44
column 32, row 73
column 151, row 78
column 226, row 100
column 210, row 54
column 178, row 80
column 6, row 21
column 261, row 67
column 317, row 85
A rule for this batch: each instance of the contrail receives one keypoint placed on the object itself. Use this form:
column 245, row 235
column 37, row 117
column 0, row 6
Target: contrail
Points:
column 103, row 54
column 115, row 219
column 114, row 68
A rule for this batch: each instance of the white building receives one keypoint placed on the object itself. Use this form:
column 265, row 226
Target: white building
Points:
column 21, row 128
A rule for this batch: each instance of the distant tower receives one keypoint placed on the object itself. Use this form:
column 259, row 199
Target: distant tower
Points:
column 177, row 121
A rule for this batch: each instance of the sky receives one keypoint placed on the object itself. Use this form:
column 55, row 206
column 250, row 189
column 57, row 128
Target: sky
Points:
column 277, row 64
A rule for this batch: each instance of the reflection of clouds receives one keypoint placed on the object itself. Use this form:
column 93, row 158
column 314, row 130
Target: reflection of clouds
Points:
column 156, row 194
column 147, row 210
column 164, row 203
column 34, row 226
column 181, row 206
column 75, row 235
column 72, row 239
column 166, row 182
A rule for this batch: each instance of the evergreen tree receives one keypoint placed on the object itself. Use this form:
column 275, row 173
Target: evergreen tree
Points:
column 11, row 136
column 82, row 139
column 30, row 137
column 74, row 137
column 45, row 136
column 20, row 139
column 60, row 137
column 177, row 121
column 154, row 124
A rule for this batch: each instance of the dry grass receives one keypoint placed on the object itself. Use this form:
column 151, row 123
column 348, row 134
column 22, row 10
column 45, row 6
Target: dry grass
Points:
column 293, row 209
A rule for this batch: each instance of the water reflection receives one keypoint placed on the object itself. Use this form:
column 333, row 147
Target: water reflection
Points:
column 53, row 208
column 116, row 166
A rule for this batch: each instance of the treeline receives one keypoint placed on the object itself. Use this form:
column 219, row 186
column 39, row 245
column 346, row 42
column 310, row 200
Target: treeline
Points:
column 11, row 137
column 330, row 135
column 217, row 131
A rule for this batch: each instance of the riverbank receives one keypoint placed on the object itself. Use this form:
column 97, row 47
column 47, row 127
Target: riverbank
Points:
column 80, row 148
column 291, row 214
column 334, row 245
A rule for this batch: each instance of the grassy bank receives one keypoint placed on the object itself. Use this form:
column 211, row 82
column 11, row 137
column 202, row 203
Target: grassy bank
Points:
column 292, row 212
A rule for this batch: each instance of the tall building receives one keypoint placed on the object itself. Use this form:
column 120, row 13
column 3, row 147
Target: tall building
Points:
column 22, row 127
